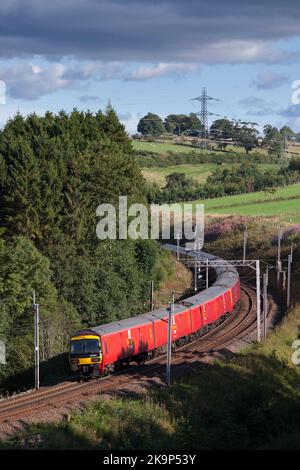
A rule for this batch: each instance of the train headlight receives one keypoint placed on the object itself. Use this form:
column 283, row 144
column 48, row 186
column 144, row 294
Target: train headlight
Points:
column 95, row 359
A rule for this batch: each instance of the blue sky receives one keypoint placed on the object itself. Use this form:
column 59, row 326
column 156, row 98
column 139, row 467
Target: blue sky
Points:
column 151, row 56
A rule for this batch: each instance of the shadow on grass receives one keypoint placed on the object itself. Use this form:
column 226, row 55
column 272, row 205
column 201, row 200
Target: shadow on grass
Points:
column 251, row 401
column 53, row 371
column 245, row 403
column 50, row 436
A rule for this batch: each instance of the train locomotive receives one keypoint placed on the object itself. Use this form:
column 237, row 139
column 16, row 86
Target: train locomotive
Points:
column 101, row 350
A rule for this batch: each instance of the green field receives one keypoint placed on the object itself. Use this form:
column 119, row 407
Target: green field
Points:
column 199, row 172
column 283, row 203
column 163, row 148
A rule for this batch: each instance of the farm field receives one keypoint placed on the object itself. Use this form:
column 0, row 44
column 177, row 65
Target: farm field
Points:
column 294, row 149
column 162, row 148
column 199, row 172
column 283, row 203
column 165, row 147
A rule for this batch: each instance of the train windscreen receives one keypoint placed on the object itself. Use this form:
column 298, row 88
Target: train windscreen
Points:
column 84, row 346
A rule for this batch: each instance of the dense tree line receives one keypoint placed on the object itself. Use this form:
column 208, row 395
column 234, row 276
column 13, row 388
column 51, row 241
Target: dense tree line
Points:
column 242, row 133
column 56, row 168
column 153, row 125
column 276, row 140
column 148, row 159
column 222, row 131
column 23, row 268
column 54, row 172
column 224, row 181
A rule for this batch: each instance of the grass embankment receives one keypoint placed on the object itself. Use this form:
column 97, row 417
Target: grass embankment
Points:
column 170, row 275
column 250, row 401
column 283, row 203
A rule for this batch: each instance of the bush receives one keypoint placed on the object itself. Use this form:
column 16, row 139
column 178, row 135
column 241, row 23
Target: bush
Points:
column 244, row 178
column 149, row 159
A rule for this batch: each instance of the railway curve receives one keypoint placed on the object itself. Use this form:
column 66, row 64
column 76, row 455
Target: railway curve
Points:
column 55, row 402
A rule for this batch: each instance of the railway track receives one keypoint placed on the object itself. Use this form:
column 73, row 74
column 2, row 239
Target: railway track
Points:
column 52, row 402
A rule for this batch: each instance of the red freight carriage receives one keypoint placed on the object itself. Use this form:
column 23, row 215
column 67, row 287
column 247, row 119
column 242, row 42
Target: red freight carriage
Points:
column 196, row 318
column 101, row 349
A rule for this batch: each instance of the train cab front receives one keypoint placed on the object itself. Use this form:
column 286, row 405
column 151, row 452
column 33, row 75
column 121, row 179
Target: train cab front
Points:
column 85, row 355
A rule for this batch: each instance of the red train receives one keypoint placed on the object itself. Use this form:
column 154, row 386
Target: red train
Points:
column 100, row 350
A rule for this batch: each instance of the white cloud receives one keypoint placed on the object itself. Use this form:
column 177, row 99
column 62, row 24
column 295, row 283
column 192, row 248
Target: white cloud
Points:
column 269, row 79
column 97, row 70
column 258, row 106
column 147, row 72
column 235, row 51
column 31, row 81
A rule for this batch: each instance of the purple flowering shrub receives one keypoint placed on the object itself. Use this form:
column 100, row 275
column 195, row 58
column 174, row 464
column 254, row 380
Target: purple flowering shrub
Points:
column 224, row 226
column 288, row 234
